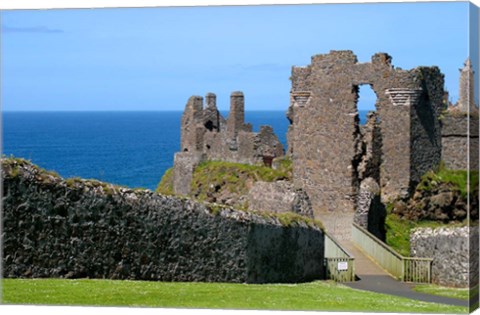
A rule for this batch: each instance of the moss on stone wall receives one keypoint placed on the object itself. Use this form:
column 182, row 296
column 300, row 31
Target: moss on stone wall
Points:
column 229, row 183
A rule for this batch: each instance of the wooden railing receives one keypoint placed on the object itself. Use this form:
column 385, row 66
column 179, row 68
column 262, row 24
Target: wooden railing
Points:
column 409, row 269
column 339, row 266
column 417, row 269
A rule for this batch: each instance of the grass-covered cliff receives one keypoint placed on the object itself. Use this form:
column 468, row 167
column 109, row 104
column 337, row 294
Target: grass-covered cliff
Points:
column 227, row 183
column 440, row 199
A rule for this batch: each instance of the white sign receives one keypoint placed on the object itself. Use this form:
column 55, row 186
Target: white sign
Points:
column 342, row 266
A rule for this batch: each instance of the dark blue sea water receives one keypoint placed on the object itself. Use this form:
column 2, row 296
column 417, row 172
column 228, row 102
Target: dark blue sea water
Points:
column 125, row 148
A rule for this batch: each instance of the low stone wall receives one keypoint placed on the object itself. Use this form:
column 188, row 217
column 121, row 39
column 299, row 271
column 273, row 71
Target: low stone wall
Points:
column 82, row 228
column 449, row 248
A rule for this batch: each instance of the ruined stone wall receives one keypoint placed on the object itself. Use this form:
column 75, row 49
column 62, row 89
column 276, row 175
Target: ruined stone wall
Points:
column 371, row 149
column 236, row 117
column 371, row 213
column 425, row 132
column 466, row 100
column 82, row 228
column 206, row 134
column 456, row 140
column 460, row 125
column 279, row 197
column 191, row 137
column 185, row 163
column 326, row 136
column 449, row 248
column 206, row 131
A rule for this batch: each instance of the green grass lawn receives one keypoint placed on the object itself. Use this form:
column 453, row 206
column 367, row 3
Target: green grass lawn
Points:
column 458, row 293
column 319, row 295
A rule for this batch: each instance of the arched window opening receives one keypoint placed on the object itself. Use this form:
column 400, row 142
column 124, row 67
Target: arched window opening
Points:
column 365, row 102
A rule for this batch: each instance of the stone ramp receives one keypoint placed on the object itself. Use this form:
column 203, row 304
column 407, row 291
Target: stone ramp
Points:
column 372, row 277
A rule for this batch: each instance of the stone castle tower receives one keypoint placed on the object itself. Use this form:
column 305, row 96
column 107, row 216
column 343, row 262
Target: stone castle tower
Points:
column 329, row 148
column 460, row 125
column 466, row 101
column 347, row 171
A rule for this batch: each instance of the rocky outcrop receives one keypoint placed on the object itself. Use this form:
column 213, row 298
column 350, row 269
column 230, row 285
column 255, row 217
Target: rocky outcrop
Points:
column 229, row 183
column 279, row 197
column 441, row 202
column 79, row 228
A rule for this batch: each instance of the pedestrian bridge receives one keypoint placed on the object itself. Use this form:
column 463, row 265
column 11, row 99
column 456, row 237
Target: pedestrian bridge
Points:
column 366, row 263
column 366, row 255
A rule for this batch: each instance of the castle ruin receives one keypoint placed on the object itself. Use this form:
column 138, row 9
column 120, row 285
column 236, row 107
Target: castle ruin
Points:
column 330, row 153
column 206, row 135
column 460, row 126
column 347, row 171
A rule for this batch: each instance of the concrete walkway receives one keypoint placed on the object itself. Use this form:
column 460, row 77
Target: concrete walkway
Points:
column 373, row 278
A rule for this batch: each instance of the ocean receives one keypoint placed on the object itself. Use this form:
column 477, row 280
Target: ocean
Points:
column 131, row 149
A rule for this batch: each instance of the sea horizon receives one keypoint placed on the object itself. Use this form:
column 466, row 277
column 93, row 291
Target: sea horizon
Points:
column 126, row 148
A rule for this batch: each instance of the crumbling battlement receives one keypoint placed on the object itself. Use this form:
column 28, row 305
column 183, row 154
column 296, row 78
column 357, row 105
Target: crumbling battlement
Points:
column 206, row 135
column 328, row 147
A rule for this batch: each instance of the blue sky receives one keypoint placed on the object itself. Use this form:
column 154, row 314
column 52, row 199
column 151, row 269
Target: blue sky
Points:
column 155, row 58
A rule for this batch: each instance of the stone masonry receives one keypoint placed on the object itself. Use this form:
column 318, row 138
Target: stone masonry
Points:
column 206, row 135
column 333, row 157
column 466, row 100
column 74, row 228
column 326, row 143
column 460, row 126
column 459, row 135
column 371, row 213
column 449, row 248
column 279, row 197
